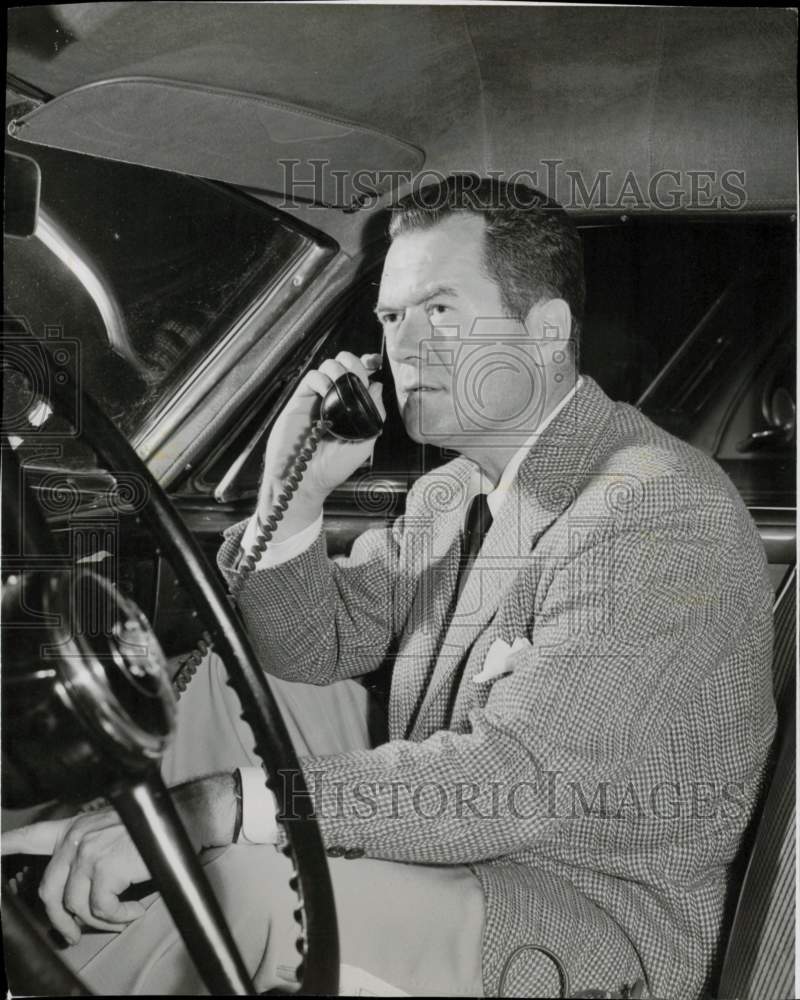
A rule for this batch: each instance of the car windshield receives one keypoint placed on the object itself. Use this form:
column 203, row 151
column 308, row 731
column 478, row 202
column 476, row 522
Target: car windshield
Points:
column 144, row 270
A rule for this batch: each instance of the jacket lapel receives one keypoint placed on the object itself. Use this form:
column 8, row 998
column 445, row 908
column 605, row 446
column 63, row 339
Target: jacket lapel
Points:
column 545, row 487
column 433, row 549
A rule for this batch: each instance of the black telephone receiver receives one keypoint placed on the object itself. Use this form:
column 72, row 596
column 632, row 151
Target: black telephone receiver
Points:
column 349, row 411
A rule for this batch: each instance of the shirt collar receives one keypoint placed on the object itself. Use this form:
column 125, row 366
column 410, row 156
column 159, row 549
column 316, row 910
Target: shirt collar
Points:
column 495, row 495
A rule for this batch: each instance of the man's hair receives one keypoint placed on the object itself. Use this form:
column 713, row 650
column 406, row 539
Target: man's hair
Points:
column 532, row 249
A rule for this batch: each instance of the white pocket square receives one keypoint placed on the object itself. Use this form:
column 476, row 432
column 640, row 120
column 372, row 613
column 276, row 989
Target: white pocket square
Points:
column 496, row 663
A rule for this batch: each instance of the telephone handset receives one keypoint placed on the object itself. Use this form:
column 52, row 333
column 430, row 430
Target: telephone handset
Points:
column 348, row 413
column 348, row 410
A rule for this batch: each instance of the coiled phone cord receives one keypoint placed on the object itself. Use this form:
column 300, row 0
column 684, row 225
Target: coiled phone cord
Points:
column 189, row 665
column 348, row 406
column 293, row 480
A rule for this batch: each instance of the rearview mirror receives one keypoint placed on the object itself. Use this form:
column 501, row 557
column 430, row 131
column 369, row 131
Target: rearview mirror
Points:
column 21, row 187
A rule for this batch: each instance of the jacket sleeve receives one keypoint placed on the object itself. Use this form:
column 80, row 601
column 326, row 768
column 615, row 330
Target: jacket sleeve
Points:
column 317, row 620
column 627, row 629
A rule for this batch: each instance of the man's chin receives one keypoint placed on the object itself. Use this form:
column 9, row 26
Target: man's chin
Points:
column 422, row 435
column 429, row 419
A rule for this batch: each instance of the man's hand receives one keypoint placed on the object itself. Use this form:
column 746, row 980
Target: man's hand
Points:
column 334, row 461
column 93, row 862
column 94, row 859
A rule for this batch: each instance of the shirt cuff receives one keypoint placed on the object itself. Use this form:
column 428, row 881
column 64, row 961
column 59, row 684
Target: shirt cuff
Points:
column 259, row 810
column 280, row 552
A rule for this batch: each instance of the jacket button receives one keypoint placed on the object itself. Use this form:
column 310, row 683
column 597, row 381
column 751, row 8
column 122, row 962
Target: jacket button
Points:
column 335, row 852
column 354, row 852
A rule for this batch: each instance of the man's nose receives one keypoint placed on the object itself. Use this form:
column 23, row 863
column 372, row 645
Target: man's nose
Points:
column 405, row 341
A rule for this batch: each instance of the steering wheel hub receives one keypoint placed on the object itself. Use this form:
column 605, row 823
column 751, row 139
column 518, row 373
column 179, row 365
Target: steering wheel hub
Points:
column 81, row 649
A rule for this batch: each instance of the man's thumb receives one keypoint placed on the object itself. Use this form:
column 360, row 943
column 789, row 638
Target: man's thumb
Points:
column 375, row 390
column 38, row 838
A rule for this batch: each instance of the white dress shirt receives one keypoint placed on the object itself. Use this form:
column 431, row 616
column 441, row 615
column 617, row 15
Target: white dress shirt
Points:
column 259, row 825
column 496, row 495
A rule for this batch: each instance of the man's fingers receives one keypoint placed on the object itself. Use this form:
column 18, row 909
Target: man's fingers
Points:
column 125, row 913
column 107, row 907
column 372, row 362
column 353, row 364
column 51, row 893
column 333, row 369
column 318, row 381
column 76, row 896
column 96, row 906
column 38, row 838
column 314, row 383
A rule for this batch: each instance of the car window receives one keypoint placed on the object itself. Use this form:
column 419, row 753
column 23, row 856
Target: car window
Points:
column 135, row 274
column 726, row 384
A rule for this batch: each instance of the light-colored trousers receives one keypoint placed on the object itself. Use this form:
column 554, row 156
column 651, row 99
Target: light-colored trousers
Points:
column 403, row 929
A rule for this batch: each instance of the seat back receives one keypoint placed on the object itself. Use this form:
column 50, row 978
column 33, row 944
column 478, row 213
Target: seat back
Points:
column 759, row 959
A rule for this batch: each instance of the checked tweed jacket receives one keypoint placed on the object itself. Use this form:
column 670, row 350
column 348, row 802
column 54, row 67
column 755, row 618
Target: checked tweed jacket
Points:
column 599, row 788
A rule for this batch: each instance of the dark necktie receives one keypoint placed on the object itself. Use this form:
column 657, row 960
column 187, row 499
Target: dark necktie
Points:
column 478, row 522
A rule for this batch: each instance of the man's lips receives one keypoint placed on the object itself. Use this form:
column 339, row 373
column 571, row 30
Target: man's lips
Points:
column 410, row 378
column 419, row 387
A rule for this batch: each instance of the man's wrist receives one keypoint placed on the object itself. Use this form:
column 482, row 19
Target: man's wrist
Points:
column 304, row 508
column 207, row 806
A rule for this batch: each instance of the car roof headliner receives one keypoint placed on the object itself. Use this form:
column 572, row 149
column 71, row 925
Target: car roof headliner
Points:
column 478, row 88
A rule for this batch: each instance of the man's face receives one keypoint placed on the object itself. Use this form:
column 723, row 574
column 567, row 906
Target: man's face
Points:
column 465, row 372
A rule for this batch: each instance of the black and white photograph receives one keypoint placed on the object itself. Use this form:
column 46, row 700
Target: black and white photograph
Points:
column 399, row 492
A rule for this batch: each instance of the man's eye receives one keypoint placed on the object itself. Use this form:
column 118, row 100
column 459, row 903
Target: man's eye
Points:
column 389, row 318
column 437, row 309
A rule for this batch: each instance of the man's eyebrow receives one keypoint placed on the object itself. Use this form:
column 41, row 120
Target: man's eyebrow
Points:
column 432, row 294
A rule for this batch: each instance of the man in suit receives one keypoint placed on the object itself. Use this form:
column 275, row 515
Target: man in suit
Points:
column 580, row 705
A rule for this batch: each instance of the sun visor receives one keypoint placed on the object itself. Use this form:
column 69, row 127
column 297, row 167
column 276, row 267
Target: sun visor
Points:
column 239, row 138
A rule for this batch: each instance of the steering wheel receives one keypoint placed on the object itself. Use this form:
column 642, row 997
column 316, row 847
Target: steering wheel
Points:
column 320, row 964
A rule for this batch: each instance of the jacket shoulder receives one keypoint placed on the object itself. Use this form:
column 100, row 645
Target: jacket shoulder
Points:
column 647, row 479
column 663, row 465
column 441, row 490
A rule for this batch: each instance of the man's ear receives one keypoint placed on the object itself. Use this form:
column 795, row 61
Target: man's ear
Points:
column 549, row 320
